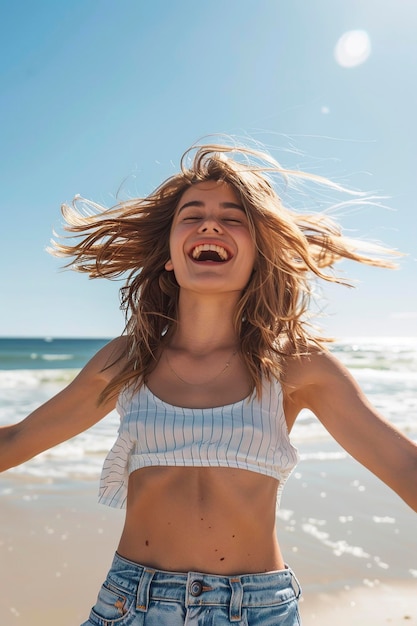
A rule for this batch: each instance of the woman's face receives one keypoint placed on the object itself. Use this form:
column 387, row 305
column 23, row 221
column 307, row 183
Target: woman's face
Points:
column 211, row 247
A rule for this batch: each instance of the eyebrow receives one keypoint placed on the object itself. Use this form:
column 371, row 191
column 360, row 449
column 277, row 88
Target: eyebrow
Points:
column 199, row 203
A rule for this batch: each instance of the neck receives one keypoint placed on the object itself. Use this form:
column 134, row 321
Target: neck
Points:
column 205, row 324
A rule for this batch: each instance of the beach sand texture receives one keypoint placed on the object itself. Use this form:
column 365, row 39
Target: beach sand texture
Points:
column 351, row 542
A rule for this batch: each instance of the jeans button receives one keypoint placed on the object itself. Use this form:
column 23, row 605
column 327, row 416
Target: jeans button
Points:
column 196, row 588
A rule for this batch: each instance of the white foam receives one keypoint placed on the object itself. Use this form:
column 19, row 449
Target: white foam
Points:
column 338, row 547
column 35, row 378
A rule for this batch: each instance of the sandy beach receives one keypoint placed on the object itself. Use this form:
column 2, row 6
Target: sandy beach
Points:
column 351, row 542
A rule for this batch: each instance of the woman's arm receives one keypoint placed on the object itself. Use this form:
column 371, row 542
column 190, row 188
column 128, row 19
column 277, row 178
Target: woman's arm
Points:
column 323, row 385
column 67, row 414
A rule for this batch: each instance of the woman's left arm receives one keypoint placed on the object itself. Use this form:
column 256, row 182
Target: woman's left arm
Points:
column 332, row 394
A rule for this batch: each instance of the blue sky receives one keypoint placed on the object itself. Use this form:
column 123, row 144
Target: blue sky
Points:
column 101, row 98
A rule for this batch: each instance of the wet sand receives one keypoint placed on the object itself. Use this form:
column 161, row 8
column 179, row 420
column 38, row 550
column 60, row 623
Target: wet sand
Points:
column 351, row 542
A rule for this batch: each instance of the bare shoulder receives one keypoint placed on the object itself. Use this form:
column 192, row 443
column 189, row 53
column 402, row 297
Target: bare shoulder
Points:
column 313, row 378
column 313, row 366
column 108, row 361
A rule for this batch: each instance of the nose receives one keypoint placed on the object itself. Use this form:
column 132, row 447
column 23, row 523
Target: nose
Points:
column 210, row 224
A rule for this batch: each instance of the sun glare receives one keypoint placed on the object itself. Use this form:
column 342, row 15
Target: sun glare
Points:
column 353, row 48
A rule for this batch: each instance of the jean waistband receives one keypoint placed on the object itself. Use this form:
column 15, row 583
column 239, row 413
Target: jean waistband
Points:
column 200, row 589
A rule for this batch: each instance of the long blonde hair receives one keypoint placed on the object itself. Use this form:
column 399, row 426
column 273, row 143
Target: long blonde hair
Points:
column 292, row 248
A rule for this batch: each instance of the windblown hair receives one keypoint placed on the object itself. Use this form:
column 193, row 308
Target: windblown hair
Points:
column 292, row 249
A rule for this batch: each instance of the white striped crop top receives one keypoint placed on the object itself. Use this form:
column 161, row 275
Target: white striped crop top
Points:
column 249, row 434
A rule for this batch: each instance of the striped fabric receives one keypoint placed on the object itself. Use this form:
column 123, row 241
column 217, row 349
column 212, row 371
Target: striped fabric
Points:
column 250, row 434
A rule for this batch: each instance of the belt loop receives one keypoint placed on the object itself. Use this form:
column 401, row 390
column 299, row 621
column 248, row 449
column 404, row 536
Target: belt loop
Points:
column 142, row 596
column 235, row 608
column 295, row 585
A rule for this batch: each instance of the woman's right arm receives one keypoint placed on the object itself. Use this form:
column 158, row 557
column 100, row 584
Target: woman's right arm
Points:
column 67, row 414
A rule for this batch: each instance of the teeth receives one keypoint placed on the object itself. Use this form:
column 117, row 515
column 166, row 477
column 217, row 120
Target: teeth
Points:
column 223, row 254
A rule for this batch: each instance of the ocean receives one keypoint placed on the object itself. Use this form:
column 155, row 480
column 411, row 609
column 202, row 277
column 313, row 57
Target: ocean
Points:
column 33, row 370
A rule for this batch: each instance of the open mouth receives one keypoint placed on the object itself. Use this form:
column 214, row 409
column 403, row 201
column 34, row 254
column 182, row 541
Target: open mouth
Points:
column 210, row 252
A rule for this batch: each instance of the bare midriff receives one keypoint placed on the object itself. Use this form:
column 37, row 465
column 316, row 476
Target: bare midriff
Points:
column 211, row 520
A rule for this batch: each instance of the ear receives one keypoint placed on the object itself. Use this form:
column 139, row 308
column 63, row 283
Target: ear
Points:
column 169, row 266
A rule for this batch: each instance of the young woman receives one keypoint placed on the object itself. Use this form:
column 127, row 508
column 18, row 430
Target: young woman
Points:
column 214, row 367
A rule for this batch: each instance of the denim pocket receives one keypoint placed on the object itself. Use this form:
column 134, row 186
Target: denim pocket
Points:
column 114, row 607
column 285, row 614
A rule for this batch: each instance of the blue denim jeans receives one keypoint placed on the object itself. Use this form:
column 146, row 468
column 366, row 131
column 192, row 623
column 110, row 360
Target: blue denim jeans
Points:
column 134, row 595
